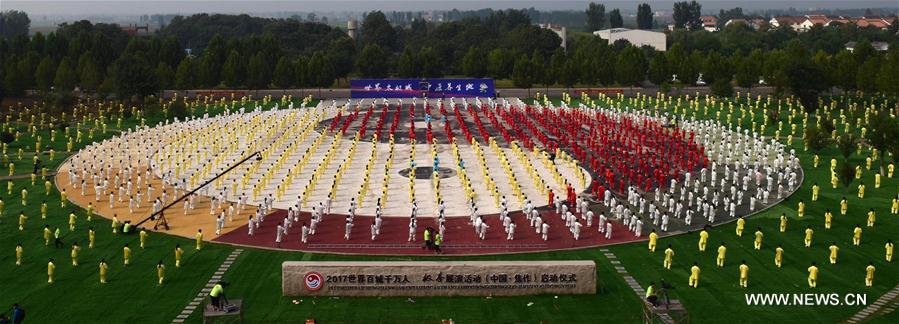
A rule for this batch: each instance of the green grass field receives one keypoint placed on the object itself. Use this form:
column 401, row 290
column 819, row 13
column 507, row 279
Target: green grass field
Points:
column 132, row 293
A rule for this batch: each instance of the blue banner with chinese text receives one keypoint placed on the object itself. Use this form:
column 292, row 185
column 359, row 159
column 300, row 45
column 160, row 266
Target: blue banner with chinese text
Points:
column 433, row 88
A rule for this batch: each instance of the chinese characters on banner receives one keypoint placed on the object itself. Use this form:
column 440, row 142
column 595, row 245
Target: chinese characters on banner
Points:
column 435, row 88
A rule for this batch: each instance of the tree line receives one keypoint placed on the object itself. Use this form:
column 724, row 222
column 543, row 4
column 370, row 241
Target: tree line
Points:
column 277, row 53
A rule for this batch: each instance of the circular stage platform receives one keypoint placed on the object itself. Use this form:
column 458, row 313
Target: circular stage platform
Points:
column 493, row 158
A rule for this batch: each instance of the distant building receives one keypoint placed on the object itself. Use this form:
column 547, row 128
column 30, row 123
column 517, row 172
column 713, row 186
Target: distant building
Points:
column 559, row 30
column 879, row 46
column 709, row 23
column 135, row 30
column 804, row 23
column 637, row 37
column 352, row 27
column 793, row 22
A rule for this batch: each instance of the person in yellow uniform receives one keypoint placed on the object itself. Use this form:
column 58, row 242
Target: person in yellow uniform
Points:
column 199, row 239
column 143, row 237
column 741, row 223
column 72, row 219
column 75, row 250
column 24, row 197
column 703, row 239
column 744, row 274
column 103, row 268
column 779, row 255
column 877, row 181
column 869, row 274
column 872, row 217
column 894, row 208
column 63, row 198
column 890, row 169
column 809, row 232
column 757, row 244
column 19, row 252
column 801, row 208
column 160, row 271
column 889, row 250
column 91, row 236
column 813, row 275
column 815, row 190
column 722, row 253
column 178, row 253
column 834, row 252
column 127, row 253
column 828, row 218
column 47, row 234
column 694, row 275
column 43, row 209
column 47, row 187
column 669, row 256
column 783, row 222
column 844, row 206
column 22, row 219
column 653, row 239
column 115, row 223
column 861, row 190
column 50, row 269
column 857, row 235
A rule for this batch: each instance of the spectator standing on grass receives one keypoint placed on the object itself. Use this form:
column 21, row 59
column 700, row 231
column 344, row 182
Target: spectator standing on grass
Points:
column 18, row 314
column 651, row 294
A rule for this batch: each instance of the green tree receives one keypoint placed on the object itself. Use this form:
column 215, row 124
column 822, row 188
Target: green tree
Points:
column 687, row 15
column 301, row 72
column 748, row 69
column 321, row 70
column 569, row 74
column 232, row 70
column 258, row 72
column 538, row 63
column 644, row 16
column 429, row 63
column 184, row 75
column 371, row 62
column 45, row 73
column 630, row 67
column 596, row 16
column 473, row 63
column 615, row 19
column 815, row 138
column 342, row 53
column 208, row 71
column 658, row 70
column 883, row 134
column 846, row 145
column 522, row 72
column 14, row 23
column 376, row 30
column 89, row 74
column 866, row 78
column 12, row 80
column 165, row 75
column 284, row 75
column 889, row 73
column 717, row 72
column 65, row 78
column 843, row 70
column 499, row 63
column 407, row 65
column 133, row 76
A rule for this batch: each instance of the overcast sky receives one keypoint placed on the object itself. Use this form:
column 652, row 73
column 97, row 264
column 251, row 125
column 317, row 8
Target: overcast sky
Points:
column 137, row 7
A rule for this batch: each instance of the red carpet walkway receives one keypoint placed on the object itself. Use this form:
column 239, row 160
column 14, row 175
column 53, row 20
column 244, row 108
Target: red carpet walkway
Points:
column 460, row 239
